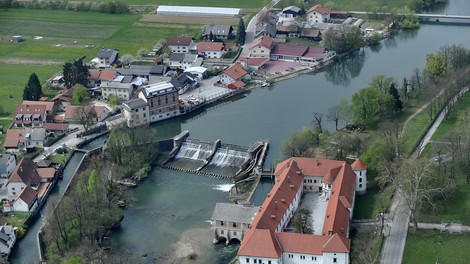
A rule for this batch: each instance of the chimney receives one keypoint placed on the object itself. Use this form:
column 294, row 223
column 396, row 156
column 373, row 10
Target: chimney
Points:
column 298, row 172
column 273, row 216
column 275, row 205
column 21, row 168
column 288, row 178
column 292, row 186
column 283, row 200
column 318, row 163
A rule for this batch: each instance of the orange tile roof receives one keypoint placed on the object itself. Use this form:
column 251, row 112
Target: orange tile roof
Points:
column 337, row 243
column 264, row 41
column 313, row 166
column 302, row 243
column 70, row 111
column 28, row 195
column 261, row 243
column 13, row 138
column 209, row 46
column 236, row 71
column 320, row 9
column 49, row 105
column 25, row 172
column 31, row 109
column 358, row 165
column 46, row 173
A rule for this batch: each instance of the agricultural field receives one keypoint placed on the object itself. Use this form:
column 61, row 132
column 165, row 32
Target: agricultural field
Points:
column 211, row 3
column 364, row 5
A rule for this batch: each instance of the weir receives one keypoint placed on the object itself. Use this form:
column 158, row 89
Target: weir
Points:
column 215, row 159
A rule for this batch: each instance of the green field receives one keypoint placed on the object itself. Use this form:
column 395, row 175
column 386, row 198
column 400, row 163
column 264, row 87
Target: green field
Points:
column 363, row 5
column 428, row 246
column 211, row 3
column 367, row 206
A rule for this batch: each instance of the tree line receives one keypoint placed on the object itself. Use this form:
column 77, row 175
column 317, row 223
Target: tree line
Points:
column 111, row 7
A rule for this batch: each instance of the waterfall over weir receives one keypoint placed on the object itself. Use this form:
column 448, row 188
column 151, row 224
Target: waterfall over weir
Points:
column 213, row 158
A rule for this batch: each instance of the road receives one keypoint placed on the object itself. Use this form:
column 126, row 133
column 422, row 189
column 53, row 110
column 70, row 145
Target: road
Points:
column 394, row 242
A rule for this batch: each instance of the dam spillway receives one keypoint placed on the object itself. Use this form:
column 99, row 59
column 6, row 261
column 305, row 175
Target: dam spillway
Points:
column 214, row 159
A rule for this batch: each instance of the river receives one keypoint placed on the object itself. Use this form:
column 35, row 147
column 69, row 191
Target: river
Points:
column 169, row 210
column 269, row 113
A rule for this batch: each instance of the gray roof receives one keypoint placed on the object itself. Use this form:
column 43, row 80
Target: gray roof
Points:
column 219, row 30
column 292, row 9
column 270, row 28
column 137, row 70
column 189, row 58
column 36, row 133
column 177, row 57
column 107, row 53
column 234, row 212
column 158, row 69
column 135, row 103
column 116, row 85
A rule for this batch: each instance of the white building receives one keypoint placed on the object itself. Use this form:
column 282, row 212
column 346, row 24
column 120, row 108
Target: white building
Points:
column 136, row 112
column 123, row 91
column 232, row 74
column 211, row 50
column 318, row 14
column 261, row 47
column 105, row 58
column 7, row 239
column 162, row 99
column 7, row 164
column 26, row 201
column 34, row 137
column 181, row 44
column 335, row 181
column 200, row 72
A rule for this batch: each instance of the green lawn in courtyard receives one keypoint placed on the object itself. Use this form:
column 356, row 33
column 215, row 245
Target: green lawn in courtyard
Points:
column 368, row 205
column 427, row 246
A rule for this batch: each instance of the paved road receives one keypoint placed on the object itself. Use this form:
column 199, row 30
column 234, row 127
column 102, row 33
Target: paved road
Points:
column 70, row 141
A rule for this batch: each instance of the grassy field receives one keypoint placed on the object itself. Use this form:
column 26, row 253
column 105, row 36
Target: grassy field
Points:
column 363, row 5
column 428, row 246
column 211, row 3
column 368, row 205
column 18, row 219
column 449, row 123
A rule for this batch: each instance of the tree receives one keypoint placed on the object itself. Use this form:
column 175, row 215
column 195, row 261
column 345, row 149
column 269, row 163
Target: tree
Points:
column 436, row 65
column 300, row 144
column 365, row 105
column 75, row 72
column 241, row 33
column 80, row 95
column 417, row 184
column 397, row 103
column 317, row 119
column 142, row 53
column 345, row 110
column 113, row 100
column 33, row 89
column 85, row 115
column 382, row 82
column 334, row 115
column 127, row 59
column 303, row 221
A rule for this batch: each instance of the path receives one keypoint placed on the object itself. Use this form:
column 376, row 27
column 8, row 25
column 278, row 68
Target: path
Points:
column 394, row 242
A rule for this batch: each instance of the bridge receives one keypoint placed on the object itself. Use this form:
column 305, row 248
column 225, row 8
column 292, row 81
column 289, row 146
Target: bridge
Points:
column 426, row 17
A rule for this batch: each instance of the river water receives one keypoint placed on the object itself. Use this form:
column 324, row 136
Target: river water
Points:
column 169, row 210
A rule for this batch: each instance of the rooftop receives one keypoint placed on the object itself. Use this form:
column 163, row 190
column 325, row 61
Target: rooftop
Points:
column 179, row 41
column 234, row 212
column 210, row 46
column 236, row 71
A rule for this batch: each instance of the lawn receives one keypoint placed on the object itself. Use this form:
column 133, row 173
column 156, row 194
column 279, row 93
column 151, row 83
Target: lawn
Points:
column 368, row 205
column 449, row 123
column 210, row 3
column 363, row 5
column 429, row 246
column 13, row 78
column 17, row 219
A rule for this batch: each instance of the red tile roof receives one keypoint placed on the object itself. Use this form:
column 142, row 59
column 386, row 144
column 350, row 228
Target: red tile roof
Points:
column 70, row 111
column 256, row 61
column 289, row 50
column 312, row 166
column 302, row 243
column 31, row 109
column 314, row 52
column 179, row 41
column 49, row 105
column 358, row 165
column 236, row 85
column 25, row 172
column 320, row 9
column 209, row 46
column 56, row 126
column 102, row 75
column 260, row 243
column 337, row 243
column 14, row 137
column 264, row 41
column 28, row 195
column 46, row 173
column 236, row 71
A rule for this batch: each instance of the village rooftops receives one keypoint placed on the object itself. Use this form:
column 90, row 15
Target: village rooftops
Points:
column 49, row 105
column 263, row 41
column 234, row 212
column 28, row 195
column 107, row 54
column 102, row 75
column 320, row 9
column 210, row 46
column 218, row 30
column 294, row 9
column 25, row 172
column 179, row 57
column 134, row 104
column 35, row 134
column 158, row 88
column 179, row 41
column 13, row 138
column 118, row 85
column 236, row 71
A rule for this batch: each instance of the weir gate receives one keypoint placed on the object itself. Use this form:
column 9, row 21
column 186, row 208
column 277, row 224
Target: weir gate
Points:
column 215, row 159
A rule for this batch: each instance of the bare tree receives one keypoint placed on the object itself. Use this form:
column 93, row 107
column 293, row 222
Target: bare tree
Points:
column 317, row 120
column 85, row 115
column 334, row 115
column 302, row 221
column 127, row 59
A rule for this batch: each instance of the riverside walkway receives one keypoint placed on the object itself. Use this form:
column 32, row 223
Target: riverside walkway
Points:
column 437, row 17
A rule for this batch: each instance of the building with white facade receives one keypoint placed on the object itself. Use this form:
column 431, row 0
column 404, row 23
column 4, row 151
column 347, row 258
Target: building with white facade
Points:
column 265, row 242
column 261, row 47
column 162, row 99
column 123, row 91
column 318, row 14
column 181, row 44
column 211, row 50
column 232, row 74
column 105, row 58
column 34, row 137
column 136, row 112
column 7, row 165
column 7, row 239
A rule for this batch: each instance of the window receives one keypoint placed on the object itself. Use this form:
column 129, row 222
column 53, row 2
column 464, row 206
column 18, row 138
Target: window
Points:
column 360, row 173
column 255, row 261
column 14, row 193
column 335, row 260
column 360, row 185
column 234, row 225
column 145, row 115
column 314, row 181
column 222, row 232
column 221, row 223
column 234, row 233
column 360, row 179
column 247, row 260
column 13, row 188
column 290, row 256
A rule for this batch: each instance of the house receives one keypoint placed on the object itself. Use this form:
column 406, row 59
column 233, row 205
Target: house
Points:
column 261, row 47
column 291, row 12
column 73, row 113
column 106, row 58
column 252, row 64
column 185, row 81
column 318, row 14
column 180, row 44
column 158, row 70
column 34, row 137
column 14, row 140
column 136, row 112
column 97, row 76
column 56, row 127
column 218, row 31
column 211, row 50
column 176, row 60
column 287, row 30
column 123, row 91
column 232, row 74
column 334, row 181
column 162, row 99
column 7, row 165
column 27, row 201
column 24, row 175
column 136, row 71
column 266, row 29
column 231, row 221
column 33, row 115
column 200, row 72
column 7, row 238
column 311, row 33
column 191, row 60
